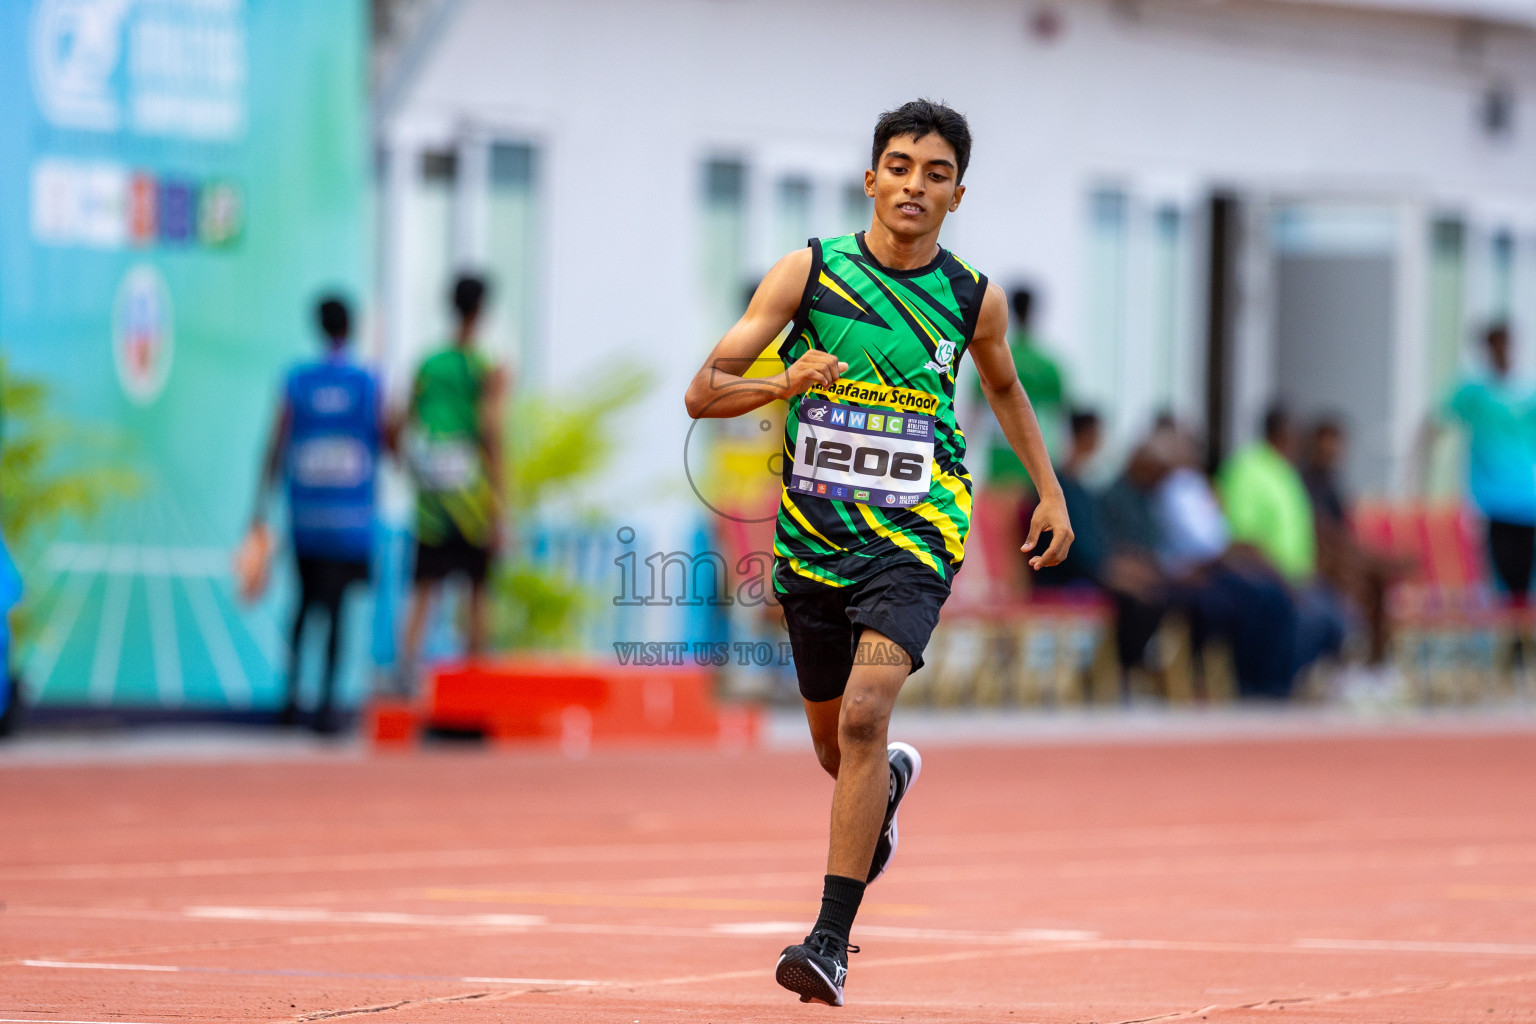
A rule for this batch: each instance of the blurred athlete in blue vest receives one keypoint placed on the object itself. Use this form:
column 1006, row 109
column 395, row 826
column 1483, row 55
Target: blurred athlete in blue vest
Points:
column 10, row 593
column 326, row 443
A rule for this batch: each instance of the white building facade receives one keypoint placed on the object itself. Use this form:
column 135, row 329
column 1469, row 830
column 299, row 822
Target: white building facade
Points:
column 1218, row 203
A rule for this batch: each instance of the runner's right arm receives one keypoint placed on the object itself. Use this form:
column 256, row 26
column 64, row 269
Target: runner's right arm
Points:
column 272, row 464
column 721, row 388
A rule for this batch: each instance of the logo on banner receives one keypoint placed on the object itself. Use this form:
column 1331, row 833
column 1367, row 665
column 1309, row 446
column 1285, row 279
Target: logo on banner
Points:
column 168, row 67
column 143, row 334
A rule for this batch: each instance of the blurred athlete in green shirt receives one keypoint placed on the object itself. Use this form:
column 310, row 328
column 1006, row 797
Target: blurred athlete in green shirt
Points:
column 1046, row 387
column 453, row 448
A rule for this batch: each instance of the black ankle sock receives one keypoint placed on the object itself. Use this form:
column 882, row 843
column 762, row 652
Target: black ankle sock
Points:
column 840, row 899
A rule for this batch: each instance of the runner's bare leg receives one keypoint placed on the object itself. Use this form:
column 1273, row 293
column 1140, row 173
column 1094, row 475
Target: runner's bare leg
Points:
column 422, row 595
column 823, row 717
column 863, row 778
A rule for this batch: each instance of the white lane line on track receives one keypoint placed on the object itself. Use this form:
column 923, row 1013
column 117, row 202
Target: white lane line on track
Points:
column 100, row 967
column 749, row 929
column 877, row 931
column 392, row 861
column 1014, row 949
column 1418, row 829
column 169, row 969
column 1413, row 946
column 317, row 915
column 759, row 928
column 55, row 1020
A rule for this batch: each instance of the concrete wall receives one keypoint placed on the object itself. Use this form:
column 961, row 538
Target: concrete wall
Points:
column 1159, row 98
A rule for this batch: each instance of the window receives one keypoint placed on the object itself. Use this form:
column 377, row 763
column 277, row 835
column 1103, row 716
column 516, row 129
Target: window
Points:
column 1501, row 276
column 432, row 261
column 1447, row 259
column 1168, row 303
column 1106, row 295
column 792, row 214
column 1446, row 331
column 724, row 243
column 512, row 254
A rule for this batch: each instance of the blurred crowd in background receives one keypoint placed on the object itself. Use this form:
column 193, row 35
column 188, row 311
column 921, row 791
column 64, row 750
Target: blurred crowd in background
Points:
column 1260, row 549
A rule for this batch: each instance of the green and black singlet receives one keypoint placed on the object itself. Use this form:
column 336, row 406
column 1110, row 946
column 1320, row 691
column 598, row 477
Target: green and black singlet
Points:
column 873, row 465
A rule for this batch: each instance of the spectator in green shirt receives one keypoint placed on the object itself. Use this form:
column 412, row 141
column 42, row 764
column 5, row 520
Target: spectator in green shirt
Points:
column 1043, row 383
column 1269, row 515
column 1266, row 502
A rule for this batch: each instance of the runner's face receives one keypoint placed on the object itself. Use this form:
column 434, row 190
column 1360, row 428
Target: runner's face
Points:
column 914, row 185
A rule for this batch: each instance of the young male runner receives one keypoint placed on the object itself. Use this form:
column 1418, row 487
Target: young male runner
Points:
column 876, row 503
column 326, row 440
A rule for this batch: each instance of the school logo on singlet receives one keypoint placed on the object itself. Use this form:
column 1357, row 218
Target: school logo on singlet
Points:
column 940, row 363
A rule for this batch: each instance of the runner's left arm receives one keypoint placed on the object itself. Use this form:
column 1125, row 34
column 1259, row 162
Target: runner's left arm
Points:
column 1000, row 383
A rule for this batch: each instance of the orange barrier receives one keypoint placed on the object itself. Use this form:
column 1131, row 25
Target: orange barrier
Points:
column 572, row 702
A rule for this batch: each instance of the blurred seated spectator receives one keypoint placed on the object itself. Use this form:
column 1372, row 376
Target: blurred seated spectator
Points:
column 1222, row 594
column 1359, row 573
column 1084, row 562
column 1165, row 545
column 1270, row 515
column 1128, row 571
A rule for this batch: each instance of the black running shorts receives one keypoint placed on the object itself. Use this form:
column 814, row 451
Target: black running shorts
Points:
column 325, row 580
column 825, row 624
column 1513, row 549
column 455, row 556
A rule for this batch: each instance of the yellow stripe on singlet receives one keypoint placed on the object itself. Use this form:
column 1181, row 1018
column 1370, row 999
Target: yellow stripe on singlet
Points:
column 837, row 290
column 953, row 542
column 805, row 524
column 900, row 539
column 922, row 321
column 955, row 485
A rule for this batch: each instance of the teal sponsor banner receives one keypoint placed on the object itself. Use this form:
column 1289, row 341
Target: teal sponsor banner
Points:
column 180, row 180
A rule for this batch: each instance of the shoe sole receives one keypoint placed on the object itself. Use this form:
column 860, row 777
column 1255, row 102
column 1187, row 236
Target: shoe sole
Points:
column 917, row 769
column 911, row 752
column 805, row 979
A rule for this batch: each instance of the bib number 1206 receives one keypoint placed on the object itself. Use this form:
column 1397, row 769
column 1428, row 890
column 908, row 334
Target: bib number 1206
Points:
column 870, row 462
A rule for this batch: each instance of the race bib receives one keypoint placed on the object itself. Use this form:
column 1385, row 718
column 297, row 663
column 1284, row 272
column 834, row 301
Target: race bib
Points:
column 451, row 465
column 852, row 454
column 338, row 462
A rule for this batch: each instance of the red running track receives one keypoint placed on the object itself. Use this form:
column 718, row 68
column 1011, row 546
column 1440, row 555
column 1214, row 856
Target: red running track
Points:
column 1366, row 879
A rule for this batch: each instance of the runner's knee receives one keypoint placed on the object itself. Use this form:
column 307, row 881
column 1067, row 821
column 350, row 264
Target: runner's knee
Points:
column 863, row 721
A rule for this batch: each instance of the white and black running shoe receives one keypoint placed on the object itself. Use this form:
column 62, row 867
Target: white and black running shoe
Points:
column 906, row 766
column 816, row 968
